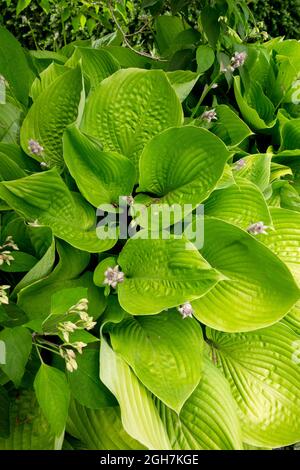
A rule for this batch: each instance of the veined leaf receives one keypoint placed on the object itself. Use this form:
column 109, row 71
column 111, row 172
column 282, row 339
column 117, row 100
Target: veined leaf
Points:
column 10, row 119
column 205, row 57
column 290, row 135
column 255, row 294
column 129, row 108
column 164, row 353
column 183, row 81
column 46, row 198
column 54, row 109
column 139, row 416
column 264, row 381
column 255, row 168
column 208, row 420
column 102, row 177
column 229, row 127
column 292, row 319
column 162, row 274
column 18, row 346
column 46, row 78
column 100, row 429
column 241, row 204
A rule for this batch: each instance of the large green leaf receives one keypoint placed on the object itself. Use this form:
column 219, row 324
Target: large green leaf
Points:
column 183, row 81
column 205, row 58
column 53, row 395
column 229, row 127
column 161, row 274
column 284, row 240
column 45, row 198
column 208, row 420
column 97, row 64
column 255, row 168
column 241, row 204
column 54, row 109
column 292, row 319
column 29, row 429
column 164, row 354
column 102, row 177
column 182, row 165
column 168, row 28
column 10, row 118
column 290, row 135
column 18, row 346
column 100, row 429
column 14, row 66
column 264, row 381
column 139, row 416
column 260, row 289
column 46, row 78
column 129, row 108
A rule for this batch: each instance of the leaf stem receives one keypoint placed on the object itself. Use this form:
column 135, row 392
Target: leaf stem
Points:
column 204, row 93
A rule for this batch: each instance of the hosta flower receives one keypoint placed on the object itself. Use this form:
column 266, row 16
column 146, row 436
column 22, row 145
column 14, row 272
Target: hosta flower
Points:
column 3, row 294
column 44, row 165
column 113, row 276
column 34, row 147
column 128, row 199
column 258, row 228
column 186, row 310
column 214, row 85
column 240, row 164
column 238, row 59
column 209, row 115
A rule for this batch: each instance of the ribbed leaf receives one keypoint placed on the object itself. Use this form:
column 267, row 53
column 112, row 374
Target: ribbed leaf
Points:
column 46, row 78
column 255, row 168
column 17, row 349
column 129, row 108
column 183, row 81
column 55, row 108
column 10, row 118
column 208, row 420
column 264, row 381
column 229, row 127
column 139, row 416
column 290, row 135
column 241, row 204
column 102, row 177
column 161, row 274
column 164, row 352
column 292, row 319
column 255, row 295
column 46, row 198
column 100, row 429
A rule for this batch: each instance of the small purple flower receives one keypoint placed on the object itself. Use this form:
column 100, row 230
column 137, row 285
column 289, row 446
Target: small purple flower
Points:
column 240, row 164
column 238, row 59
column 257, row 228
column 186, row 310
column 209, row 115
column 34, row 147
column 113, row 276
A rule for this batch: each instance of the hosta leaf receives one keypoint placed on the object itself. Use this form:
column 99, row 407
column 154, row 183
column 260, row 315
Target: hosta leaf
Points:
column 260, row 289
column 18, row 346
column 55, row 108
column 208, row 420
column 264, row 381
column 14, row 66
column 249, row 112
column 53, row 395
column 102, row 177
column 10, row 118
column 292, row 319
column 97, row 64
column 229, row 127
column 100, row 429
column 290, row 135
column 161, row 274
column 139, row 416
column 46, row 78
column 129, row 108
column 284, row 240
column 182, row 165
column 46, row 198
column 241, row 204
column 183, row 81
column 255, row 168
column 164, row 352
column 29, row 429
column 85, row 383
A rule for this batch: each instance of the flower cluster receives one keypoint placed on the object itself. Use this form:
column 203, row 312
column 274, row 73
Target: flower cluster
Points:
column 34, row 147
column 186, row 310
column 257, row 228
column 236, row 61
column 5, row 253
column 209, row 115
column 3, row 294
column 113, row 276
column 69, row 355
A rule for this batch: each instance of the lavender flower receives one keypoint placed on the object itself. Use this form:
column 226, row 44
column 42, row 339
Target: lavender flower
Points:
column 240, row 164
column 238, row 59
column 209, row 115
column 34, row 147
column 186, row 310
column 257, row 228
column 113, row 276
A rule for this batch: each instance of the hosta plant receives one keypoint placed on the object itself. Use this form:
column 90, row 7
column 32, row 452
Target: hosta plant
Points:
column 150, row 244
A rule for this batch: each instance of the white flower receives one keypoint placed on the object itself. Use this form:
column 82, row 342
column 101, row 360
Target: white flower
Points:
column 214, row 85
column 89, row 324
column 66, row 336
column 84, row 316
column 258, row 228
column 35, row 223
column 71, row 364
column 5, row 257
column 186, row 310
column 3, row 294
column 113, row 276
column 70, row 353
column 9, row 242
column 209, row 115
column 238, row 59
column 69, row 326
column 79, row 345
column 34, row 147
column 44, row 165
column 240, row 164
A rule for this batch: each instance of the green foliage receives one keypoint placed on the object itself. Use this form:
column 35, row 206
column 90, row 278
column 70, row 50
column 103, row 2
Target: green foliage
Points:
column 118, row 330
